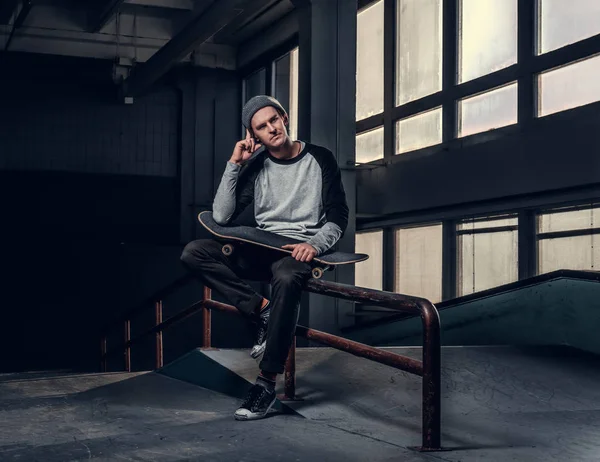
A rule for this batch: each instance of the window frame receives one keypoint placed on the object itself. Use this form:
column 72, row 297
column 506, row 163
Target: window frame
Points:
column 525, row 71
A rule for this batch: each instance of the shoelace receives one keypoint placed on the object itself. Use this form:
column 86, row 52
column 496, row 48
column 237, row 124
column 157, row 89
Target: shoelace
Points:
column 255, row 397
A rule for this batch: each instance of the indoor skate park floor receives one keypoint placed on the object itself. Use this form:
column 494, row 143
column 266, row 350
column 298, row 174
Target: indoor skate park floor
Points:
column 498, row 404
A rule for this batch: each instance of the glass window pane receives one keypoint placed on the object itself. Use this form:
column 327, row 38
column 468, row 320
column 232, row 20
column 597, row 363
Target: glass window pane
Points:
column 576, row 253
column 487, row 222
column 486, row 260
column 285, row 87
column 369, row 273
column 563, row 22
column 419, row 262
column 569, row 86
column 488, row 37
column 494, row 109
column 419, row 131
column 369, row 146
column 255, row 84
column 369, row 61
column 419, row 49
column 294, row 94
column 569, row 220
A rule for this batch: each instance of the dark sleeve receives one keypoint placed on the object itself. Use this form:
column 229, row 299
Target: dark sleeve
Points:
column 334, row 196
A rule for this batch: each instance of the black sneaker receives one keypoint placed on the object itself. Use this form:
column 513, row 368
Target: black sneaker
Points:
column 257, row 403
column 260, row 341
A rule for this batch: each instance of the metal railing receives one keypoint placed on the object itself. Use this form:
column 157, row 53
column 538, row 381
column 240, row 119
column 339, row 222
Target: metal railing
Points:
column 429, row 368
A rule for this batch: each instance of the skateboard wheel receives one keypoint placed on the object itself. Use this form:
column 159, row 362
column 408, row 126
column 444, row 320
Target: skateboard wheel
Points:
column 317, row 273
column 227, row 249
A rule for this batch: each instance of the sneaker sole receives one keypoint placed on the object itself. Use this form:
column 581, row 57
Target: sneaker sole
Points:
column 258, row 352
column 256, row 416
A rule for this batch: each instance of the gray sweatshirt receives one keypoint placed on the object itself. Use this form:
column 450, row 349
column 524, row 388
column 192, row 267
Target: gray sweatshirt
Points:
column 302, row 198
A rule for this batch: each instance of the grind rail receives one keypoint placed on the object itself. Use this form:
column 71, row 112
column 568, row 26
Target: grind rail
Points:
column 429, row 368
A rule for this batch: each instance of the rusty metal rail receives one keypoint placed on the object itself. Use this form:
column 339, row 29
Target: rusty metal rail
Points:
column 429, row 368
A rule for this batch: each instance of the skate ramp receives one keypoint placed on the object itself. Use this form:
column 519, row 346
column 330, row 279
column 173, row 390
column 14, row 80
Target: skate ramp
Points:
column 498, row 403
column 552, row 309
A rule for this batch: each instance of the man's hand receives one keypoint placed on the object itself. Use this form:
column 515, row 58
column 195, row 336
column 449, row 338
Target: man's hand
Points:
column 244, row 149
column 302, row 252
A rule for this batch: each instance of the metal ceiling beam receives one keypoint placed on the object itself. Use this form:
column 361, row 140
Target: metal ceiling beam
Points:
column 198, row 31
column 20, row 19
column 186, row 5
column 7, row 10
column 106, row 14
column 254, row 9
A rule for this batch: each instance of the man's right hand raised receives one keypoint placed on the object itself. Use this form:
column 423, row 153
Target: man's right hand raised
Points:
column 244, row 149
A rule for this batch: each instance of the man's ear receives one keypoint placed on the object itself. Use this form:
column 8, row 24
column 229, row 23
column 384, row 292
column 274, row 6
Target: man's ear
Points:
column 286, row 120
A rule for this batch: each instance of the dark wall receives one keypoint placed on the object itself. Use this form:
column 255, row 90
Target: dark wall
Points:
column 80, row 173
column 555, row 153
column 99, row 198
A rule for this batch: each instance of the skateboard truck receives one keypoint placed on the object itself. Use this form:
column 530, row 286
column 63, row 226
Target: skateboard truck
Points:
column 316, row 272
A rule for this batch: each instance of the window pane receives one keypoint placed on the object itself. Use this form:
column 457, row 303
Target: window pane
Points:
column 369, row 273
column 419, row 262
column 419, row 131
column 486, row 260
column 419, row 49
column 576, row 252
column 294, row 94
column 285, row 86
column 369, row 61
column 569, row 86
column 488, row 37
column 255, row 84
column 487, row 222
column 494, row 109
column 369, row 146
column 564, row 22
column 569, row 220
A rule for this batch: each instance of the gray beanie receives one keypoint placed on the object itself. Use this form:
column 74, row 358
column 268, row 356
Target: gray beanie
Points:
column 257, row 103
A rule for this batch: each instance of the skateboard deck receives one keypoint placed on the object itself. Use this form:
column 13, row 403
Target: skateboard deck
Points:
column 255, row 236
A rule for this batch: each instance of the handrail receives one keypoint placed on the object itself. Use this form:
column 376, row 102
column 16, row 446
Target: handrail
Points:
column 429, row 368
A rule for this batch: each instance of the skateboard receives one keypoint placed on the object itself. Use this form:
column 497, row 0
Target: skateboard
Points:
column 234, row 235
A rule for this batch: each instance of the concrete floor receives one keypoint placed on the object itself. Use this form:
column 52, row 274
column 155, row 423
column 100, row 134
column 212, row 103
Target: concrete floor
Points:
column 150, row 417
column 499, row 404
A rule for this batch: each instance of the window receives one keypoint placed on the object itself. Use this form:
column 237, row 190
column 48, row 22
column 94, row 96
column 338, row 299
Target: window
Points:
column 418, row 261
column 419, row 49
column 488, row 37
column 487, row 253
column 564, row 22
column 494, row 109
column 279, row 79
column 369, row 146
column 369, row 273
column 369, row 61
column 285, row 87
column 567, row 239
column 569, row 86
column 419, row 131
column 255, row 84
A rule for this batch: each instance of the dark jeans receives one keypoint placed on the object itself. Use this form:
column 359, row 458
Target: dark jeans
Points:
column 226, row 275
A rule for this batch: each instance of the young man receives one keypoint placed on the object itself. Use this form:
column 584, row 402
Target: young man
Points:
column 297, row 192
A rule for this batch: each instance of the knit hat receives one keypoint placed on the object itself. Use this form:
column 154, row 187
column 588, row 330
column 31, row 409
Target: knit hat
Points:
column 257, row 103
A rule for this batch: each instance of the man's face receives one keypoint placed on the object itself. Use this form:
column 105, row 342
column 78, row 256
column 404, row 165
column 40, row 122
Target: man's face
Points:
column 269, row 127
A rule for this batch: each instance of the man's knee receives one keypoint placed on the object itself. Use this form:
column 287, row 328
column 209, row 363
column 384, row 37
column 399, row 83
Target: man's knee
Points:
column 290, row 271
column 197, row 250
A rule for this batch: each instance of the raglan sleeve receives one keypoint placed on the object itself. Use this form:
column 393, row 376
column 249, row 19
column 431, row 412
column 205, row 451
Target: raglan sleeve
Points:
column 334, row 204
column 235, row 192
